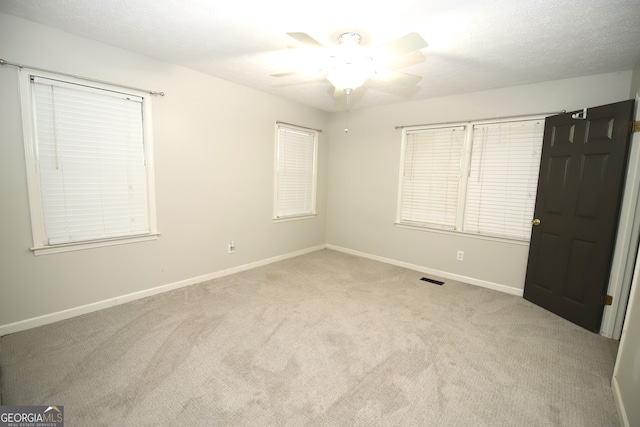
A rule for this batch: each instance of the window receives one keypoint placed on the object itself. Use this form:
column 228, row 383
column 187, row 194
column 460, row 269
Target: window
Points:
column 478, row 178
column 503, row 178
column 295, row 172
column 89, row 163
column 431, row 177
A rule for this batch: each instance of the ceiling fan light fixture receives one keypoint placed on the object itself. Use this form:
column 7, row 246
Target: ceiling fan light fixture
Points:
column 350, row 66
column 350, row 75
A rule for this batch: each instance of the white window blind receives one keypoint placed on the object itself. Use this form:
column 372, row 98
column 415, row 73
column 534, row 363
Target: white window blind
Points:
column 501, row 188
column 295, row 180
column 431, row 176
column 91, row 162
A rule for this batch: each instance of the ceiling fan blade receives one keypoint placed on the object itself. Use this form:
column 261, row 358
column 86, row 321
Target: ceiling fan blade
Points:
column 306, row 39
column 286, row 74
column 397, row 77
column 405, row 44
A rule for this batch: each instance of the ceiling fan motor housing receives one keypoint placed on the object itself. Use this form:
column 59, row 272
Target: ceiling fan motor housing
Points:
column 349, row 38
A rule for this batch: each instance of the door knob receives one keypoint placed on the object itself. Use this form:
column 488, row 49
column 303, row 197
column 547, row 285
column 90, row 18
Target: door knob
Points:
column 535, row 221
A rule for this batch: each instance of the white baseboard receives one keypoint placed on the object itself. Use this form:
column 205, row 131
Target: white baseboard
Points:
column 617, row 398
column 444, row 274
column 88, row 308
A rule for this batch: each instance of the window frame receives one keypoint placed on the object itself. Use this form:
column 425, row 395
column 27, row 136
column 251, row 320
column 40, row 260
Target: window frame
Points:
column 314, row 174
column 41, row 246
column 464, row 175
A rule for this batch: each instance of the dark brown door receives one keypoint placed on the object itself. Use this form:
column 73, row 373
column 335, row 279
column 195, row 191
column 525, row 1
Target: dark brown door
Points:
column 582, row 172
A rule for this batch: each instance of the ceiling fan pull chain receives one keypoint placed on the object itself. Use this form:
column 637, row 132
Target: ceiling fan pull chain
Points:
column 346, row 122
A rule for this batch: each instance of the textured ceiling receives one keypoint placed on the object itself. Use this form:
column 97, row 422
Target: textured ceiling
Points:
column 473, row 44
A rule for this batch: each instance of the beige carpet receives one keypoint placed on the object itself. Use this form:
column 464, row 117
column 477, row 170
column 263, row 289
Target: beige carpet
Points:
column 324, row 339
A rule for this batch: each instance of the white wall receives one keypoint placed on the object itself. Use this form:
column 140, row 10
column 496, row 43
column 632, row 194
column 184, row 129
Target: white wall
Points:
column 214, row 144
column 626, row 375
column 364, row 167
column 635, row 81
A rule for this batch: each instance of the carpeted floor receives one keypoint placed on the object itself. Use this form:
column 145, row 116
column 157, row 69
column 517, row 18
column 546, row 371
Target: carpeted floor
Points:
column 324, row 339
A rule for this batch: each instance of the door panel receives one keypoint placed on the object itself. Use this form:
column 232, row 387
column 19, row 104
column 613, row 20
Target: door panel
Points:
column 580, row 254
column 558, row 168
column 582, row 173
column 591, row 185
column 563, row 134
column 547, row 254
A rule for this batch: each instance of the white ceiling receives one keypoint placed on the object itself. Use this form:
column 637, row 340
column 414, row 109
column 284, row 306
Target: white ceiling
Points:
column 473, row 44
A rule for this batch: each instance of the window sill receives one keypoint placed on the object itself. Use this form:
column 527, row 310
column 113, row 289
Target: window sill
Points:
column 509, row 240
column 78, row 246
column 294, row 218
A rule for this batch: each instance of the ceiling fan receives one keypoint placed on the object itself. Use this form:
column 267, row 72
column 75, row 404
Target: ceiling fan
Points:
column 349, row 65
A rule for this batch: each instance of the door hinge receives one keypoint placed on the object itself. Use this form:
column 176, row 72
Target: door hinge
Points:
column 635, row 126
column 607, row 300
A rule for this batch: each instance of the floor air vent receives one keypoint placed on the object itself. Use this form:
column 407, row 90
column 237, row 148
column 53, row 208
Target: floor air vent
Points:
column 437, row 282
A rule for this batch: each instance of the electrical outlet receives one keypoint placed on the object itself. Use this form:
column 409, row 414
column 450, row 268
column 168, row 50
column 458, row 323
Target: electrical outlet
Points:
column 460, row 255
column 231, row 247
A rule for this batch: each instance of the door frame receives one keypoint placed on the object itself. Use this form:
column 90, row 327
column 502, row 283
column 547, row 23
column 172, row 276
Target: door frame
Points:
column 624, row 255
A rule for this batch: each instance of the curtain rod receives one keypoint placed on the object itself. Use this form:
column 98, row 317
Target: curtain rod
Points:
column 484, row 120
column 278, row 122
column 4, row 62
